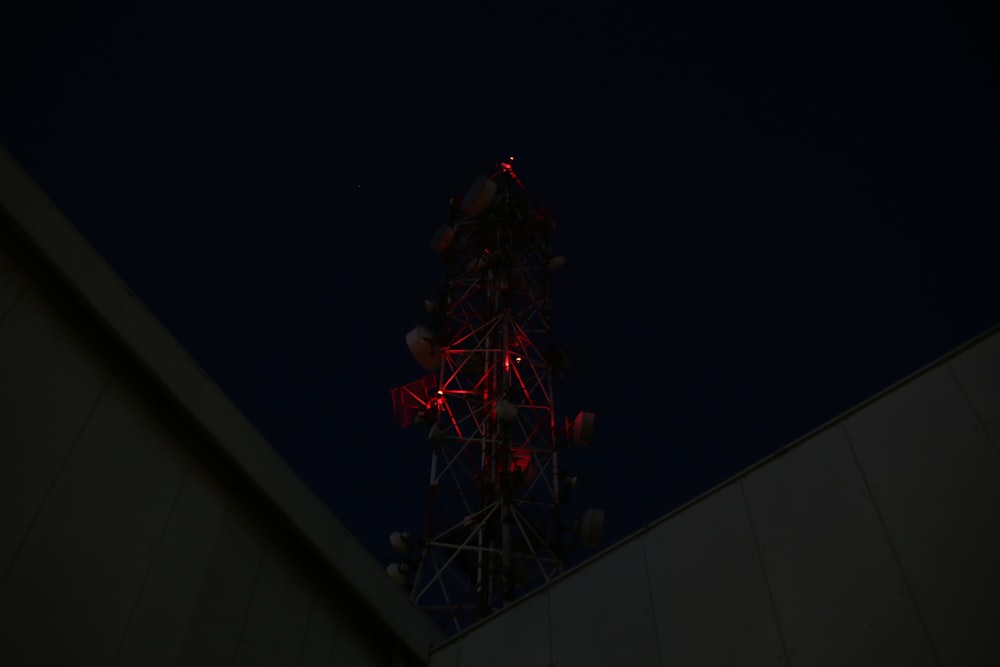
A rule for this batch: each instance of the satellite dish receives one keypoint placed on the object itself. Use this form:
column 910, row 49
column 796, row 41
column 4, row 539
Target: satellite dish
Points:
column 583, row 429
column 443, row 238
column 479, row 196
column 592, row 527
column 400, row 541
column 425, row 352
column 398, row 572
column 506, row 410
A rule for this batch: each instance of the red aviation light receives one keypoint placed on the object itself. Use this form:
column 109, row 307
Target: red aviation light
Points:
column 506, row 361
column 508, row 168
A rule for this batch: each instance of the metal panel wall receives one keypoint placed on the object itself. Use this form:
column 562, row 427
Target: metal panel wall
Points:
column 44, row 371
column 513, row 639
column 830, row 568
column 935, row 476
column 81, row 564
column 619, row 581
column 872, row 541
column 707, row 556
column 126, row 534
column 170, row 590
column 976, row 374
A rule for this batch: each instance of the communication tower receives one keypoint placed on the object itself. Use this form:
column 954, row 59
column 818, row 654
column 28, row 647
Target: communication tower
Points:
column 497, row 523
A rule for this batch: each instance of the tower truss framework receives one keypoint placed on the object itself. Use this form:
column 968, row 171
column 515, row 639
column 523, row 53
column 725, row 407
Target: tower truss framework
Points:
column 495, row 525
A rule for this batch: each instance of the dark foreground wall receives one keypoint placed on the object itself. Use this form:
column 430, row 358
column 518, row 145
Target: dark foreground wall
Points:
column 874, row 541
column 143, row 521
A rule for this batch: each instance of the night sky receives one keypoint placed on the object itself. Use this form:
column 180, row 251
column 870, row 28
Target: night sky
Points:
column 768, row 215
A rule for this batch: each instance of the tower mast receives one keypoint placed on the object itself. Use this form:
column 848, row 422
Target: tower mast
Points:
column 495, row 526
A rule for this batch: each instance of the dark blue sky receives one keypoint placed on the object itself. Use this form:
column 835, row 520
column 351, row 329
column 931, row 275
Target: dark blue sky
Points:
column 769, row 215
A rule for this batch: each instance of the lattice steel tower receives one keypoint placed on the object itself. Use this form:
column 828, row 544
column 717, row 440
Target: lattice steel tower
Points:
column 496, row 518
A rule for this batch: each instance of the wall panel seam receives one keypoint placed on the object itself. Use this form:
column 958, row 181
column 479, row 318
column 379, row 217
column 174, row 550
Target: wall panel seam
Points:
column 763, row 571
column 892, row 547
column 250, row 600
column 552, row 644
column 306, row 626
column 13, row 304
column 53, row 482
column 652, row 605
column 972, row 407
column 152, row 561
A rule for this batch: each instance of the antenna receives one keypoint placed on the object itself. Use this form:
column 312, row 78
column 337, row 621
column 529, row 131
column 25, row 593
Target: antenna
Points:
column 496, row 516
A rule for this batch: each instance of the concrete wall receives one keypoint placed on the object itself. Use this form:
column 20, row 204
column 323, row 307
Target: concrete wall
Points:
column 143, row 521
column 873, row 541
